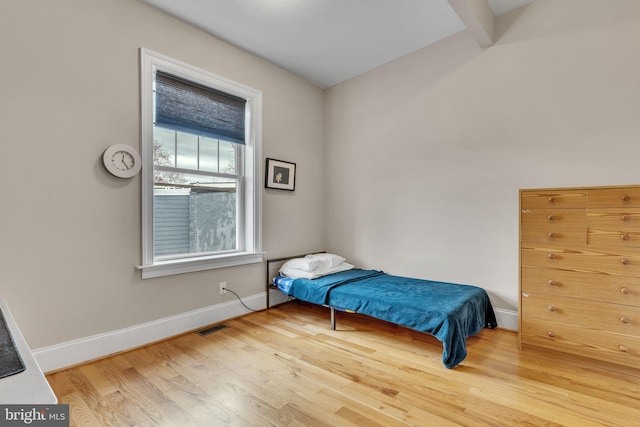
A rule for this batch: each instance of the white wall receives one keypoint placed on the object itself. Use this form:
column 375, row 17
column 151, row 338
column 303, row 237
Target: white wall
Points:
column 425, row 155
column 70, row 231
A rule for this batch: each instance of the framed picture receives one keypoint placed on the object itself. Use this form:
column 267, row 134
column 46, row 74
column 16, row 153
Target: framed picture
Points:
column 280, row 175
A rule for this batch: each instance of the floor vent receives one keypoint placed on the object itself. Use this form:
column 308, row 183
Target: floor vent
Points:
column 210, row 330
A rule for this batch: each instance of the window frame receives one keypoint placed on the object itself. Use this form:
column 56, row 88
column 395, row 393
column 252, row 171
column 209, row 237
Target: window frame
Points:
column 250, row 204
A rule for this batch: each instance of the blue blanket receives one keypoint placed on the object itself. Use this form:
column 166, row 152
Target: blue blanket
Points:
column 450, row 312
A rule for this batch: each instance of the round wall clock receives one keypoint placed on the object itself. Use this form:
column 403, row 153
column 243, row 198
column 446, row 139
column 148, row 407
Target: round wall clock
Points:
column 122, row 161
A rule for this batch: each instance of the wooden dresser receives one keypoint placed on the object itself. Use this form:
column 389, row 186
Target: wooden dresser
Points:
column 580, row 271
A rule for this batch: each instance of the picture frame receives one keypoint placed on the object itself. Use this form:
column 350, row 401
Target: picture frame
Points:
column 280, row 175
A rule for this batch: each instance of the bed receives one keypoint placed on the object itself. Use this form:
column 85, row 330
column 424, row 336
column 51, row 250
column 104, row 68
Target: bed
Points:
column 448, row 311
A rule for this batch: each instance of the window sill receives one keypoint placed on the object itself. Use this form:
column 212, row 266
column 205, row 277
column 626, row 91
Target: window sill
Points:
column 168, row 268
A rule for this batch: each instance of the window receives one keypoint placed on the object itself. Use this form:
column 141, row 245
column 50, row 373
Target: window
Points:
column 201, row 206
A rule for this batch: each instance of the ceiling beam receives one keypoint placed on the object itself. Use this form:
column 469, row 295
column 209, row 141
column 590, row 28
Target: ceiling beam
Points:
column 477, row 16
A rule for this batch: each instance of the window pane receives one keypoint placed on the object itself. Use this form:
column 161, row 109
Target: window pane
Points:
column 196, row 217
column 228, row 157
column 164, row 147
column 187, row 151
column 208, row 154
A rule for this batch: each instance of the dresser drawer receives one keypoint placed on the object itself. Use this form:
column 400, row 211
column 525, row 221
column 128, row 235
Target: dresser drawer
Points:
column 622, row 319
column 607, row 346
column 555, row 226
column 622, row 261
column 614, row 197
column 592, row 286
column 614, row 219
column 557, row 199
column 614, row 238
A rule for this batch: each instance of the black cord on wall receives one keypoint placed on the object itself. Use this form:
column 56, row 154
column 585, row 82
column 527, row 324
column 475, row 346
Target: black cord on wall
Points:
column 240, row 299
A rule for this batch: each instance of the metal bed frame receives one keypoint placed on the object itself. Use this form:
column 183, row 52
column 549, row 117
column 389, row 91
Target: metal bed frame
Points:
column 270, row 285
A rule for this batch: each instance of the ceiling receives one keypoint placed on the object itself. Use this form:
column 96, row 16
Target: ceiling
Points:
column 326, row 41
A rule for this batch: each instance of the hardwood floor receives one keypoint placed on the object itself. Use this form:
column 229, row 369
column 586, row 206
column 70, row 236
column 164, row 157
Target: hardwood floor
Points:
column 285, row 367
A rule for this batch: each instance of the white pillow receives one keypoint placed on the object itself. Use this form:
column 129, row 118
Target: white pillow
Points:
column 325, row 260
column 298, row 264
column 296, row 273
column 314, row 262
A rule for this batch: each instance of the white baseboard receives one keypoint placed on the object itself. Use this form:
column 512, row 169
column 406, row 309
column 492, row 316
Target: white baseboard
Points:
column 507, row 319
column 82, row 350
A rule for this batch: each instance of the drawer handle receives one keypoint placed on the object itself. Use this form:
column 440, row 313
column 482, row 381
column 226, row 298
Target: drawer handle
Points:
column 625, row 198
column 551, row 282
column 624, row 349
column 551, row 256
column 624, row 319
column 625, row 217
column 551, row 218
column 552, row 199
column 551, row 334
column 624, row 237
column 551, row 308
column 624, row 261
column 552, row 235
column 624, row 291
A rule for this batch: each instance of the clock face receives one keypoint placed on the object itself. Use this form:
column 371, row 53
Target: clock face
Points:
column 122, row 161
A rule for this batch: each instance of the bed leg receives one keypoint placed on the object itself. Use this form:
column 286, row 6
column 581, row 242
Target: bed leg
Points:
column 333, row 318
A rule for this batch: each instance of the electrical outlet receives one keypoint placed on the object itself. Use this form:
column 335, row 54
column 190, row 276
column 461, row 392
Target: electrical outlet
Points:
column 223, row 285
